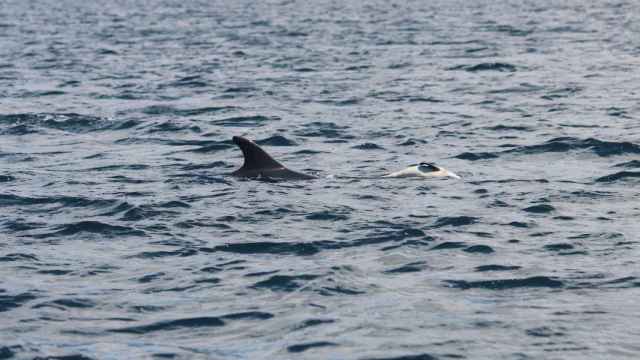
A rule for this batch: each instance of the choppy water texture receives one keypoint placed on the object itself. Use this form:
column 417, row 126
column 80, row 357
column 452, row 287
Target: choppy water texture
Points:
column 123, row 237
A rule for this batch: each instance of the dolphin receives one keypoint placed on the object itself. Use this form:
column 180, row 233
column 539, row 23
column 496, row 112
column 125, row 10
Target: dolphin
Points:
column 260, row 165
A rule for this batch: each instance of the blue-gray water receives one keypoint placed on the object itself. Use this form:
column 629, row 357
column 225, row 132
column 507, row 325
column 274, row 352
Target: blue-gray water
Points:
column 123, row 237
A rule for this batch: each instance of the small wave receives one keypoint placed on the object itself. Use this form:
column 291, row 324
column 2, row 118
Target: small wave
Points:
column 20, row 225
column 299, row 249
column 277, row 213
column 411, row 267
column 298, row 348
column 248, row 315
column 106, row 52
column 69, row 122
column 118, row 208
column 173, row 204
column 9, row 302
column 519, row 224
column 331, row 291
column 191, row 323
column 327, row 130
column 412, row 141
column 561, row 93
column 9, row 352
column 311, row 248
column 505, row 284
column 603, row 235
column 357, row 67
column 211, row 269
column 276, row 140
column 617, row 112
column 119, row 167
column 447, row 245
column 429, row 99
column 558, row 247
column 539, row 209
column 400, row 65
column 502, row 67
column 455, row 221
column 6, row 178
column 43, row 93
column 244, row 121
column 198, row 179
column 422, row 356
column 195, row 81
column 426, row 241
column 309, row 152
column 485, row 268
column 570, row 29
column 206, row 166
column 509, row 29
column 170, row 110
column 94, row 227
column 210, row 147
column 368, row 146
column 185, row 252
column 65, row 201
column 392, row 96
column 198, row 322
column 629, row 164
column 136, row 140
column 476, row 156
column 150, row 277
column 499, row 203
column 342, row 102
column 240, row 89
column 479, row 249
column 55, row 272
column 261, row 273
column 189, row 224
column 172, row 127
column 128, row 180
column 313, row 322
column 18, row 257
column 508, row 128
column 285, row 283
column 326, row 216
column 70, row 303
column 619, row 176
column 566, row 144
column 544, row 331
column 592, row 194
column 619, row 283
column 455, row 42
column 18, row 130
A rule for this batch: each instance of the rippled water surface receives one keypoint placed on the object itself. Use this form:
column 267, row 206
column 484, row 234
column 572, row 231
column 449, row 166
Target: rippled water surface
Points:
column 124, row 237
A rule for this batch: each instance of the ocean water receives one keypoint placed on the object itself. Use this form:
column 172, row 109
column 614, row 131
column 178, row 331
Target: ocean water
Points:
column 122, row 235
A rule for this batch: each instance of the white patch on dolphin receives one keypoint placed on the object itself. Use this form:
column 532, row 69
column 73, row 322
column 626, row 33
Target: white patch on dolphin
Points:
column 423, row 170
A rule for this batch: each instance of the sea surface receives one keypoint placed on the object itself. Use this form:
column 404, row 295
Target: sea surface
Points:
column 122, row 236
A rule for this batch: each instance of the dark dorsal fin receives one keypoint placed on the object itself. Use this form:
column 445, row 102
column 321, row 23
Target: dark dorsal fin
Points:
column 254, row 157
